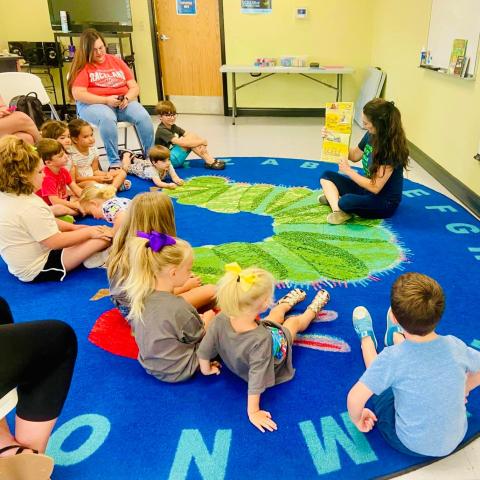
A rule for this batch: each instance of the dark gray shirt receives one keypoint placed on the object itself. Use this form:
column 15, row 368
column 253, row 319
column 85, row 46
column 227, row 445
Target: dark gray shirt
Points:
column 168, row 336
column 248, row 354
column 164, row 135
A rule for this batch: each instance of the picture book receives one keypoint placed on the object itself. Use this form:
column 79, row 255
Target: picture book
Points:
column 459, row 49
column 459, row 65
column 338, row 123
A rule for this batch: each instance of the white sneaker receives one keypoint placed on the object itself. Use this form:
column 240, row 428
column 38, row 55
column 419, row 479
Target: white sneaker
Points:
column 97, row 260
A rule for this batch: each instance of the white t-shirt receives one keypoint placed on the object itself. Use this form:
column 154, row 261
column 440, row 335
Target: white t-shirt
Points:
column 84, row 162
column 25, row 221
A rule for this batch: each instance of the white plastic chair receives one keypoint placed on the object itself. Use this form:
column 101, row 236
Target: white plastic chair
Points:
column 8, row 402
column 20, row 83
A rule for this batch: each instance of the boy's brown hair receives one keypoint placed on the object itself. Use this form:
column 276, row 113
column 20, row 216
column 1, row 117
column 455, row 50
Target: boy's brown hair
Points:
column 18, row 161
column 158, row 153
column 417, row 302
column 48, row 147
column 53, row 129
column 165, row 106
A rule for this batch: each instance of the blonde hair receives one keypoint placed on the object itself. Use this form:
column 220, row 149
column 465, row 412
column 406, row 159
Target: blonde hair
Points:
column 96, row 191
column 48, row 147
column 145, row 266
column 147, row 212
column 18, row 161
column 234, row 300
column 53, row 129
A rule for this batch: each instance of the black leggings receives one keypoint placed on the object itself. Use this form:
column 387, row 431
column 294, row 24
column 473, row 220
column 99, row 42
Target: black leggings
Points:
column 38, row 359
column 355, row 199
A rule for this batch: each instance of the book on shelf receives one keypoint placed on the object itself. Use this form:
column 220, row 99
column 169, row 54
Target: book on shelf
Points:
column 338, row 123
column 458, row 69
column 459, row 49
column 466, row 64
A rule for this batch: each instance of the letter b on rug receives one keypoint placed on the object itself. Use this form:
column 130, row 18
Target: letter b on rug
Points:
column 326, row 459
column 212, row 466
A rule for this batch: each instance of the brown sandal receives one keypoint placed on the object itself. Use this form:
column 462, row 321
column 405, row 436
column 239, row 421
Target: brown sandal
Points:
column 24, row 465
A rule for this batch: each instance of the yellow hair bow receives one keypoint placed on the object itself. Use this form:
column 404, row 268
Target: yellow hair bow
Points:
column 246, row 280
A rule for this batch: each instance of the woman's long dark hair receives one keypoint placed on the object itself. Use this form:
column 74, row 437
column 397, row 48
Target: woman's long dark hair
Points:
column 83, row 54
column 389, row 143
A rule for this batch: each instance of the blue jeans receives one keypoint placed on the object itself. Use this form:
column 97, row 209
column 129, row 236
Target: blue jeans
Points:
column 105, row 118
column 355, row 199
column 384, row 408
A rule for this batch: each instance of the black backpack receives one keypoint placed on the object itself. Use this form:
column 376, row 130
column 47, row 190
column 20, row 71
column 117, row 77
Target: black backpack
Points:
column 31, row 105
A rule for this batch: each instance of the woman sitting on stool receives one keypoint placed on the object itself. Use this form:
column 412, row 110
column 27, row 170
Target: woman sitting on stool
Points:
column 106, row 93
column 384, row 154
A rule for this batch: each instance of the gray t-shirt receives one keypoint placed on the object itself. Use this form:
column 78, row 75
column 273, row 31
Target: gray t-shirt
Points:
column 164, row 135
column 248, row 354
column 168, row 336
column 428, row 383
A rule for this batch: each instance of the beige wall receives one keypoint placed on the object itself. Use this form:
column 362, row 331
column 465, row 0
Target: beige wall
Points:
column 333, row 33
column 441, row 114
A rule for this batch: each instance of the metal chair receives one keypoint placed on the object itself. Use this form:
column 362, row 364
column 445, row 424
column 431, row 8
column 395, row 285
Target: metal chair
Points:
column 21, row 83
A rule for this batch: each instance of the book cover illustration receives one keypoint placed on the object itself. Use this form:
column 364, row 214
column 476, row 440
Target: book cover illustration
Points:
column 459, row 49
column 338, row 123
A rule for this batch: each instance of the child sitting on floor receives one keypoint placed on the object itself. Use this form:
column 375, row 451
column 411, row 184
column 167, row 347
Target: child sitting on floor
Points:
column 260, row 352
column 167, row 329
column 59, row 131
column 149, row 211
column 420, row 381
column 180, row 142
column 99, row 201
column 56, row 178
column 156, row 168
column 85, row 158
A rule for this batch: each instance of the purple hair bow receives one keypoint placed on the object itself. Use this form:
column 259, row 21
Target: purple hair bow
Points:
column 157, row 240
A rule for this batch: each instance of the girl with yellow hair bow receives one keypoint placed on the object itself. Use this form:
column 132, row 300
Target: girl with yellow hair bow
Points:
column 260, row 352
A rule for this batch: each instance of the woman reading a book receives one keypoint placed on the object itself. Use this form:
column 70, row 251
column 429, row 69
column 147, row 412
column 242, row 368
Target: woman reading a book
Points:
column 384, row 154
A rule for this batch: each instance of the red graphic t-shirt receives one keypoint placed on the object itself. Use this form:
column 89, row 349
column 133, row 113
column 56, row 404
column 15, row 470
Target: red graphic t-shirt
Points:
column 55, row 184
column 107, row 78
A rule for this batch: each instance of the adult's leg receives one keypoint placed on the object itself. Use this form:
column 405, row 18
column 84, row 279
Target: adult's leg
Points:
column 105, row 119
column 38, row 358
column 20, row 124
column 135, row 113
column 367, row 205
column 74, row 256
column 335, row 185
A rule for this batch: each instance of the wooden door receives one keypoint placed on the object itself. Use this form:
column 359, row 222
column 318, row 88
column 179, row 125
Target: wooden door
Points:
column 189, row 49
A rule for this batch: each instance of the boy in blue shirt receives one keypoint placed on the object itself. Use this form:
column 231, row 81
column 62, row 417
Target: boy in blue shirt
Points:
column 420, row 381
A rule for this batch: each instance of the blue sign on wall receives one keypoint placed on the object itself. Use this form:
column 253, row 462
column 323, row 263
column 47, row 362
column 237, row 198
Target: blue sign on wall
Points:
column 186, row 7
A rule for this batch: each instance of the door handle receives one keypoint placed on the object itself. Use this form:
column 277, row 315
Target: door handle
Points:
column 164, row 37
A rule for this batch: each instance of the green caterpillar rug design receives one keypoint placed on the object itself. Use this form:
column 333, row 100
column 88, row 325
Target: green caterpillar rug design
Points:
column 304, row 249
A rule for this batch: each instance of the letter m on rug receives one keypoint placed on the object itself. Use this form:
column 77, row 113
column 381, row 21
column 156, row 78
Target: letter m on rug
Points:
column 325, row 457
column 212, row 466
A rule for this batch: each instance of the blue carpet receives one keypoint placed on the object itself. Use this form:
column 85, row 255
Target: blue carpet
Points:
column 119, row 423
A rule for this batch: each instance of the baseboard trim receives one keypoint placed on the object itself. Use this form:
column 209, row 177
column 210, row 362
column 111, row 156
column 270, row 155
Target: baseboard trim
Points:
column 278, row 112
column 467, row 196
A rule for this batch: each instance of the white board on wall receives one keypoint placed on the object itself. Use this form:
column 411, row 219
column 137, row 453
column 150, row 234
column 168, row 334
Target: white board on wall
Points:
column 371, row 88
column 451, row 19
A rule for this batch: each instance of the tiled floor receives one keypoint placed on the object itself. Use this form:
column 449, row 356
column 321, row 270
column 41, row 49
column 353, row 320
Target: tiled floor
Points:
column 300, row 138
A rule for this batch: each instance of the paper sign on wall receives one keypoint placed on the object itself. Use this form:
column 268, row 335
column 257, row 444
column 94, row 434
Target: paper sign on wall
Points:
column 186, row 7
column 256, row 6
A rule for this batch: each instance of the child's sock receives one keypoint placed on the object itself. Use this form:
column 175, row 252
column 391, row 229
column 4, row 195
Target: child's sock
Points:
column 363, row 325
